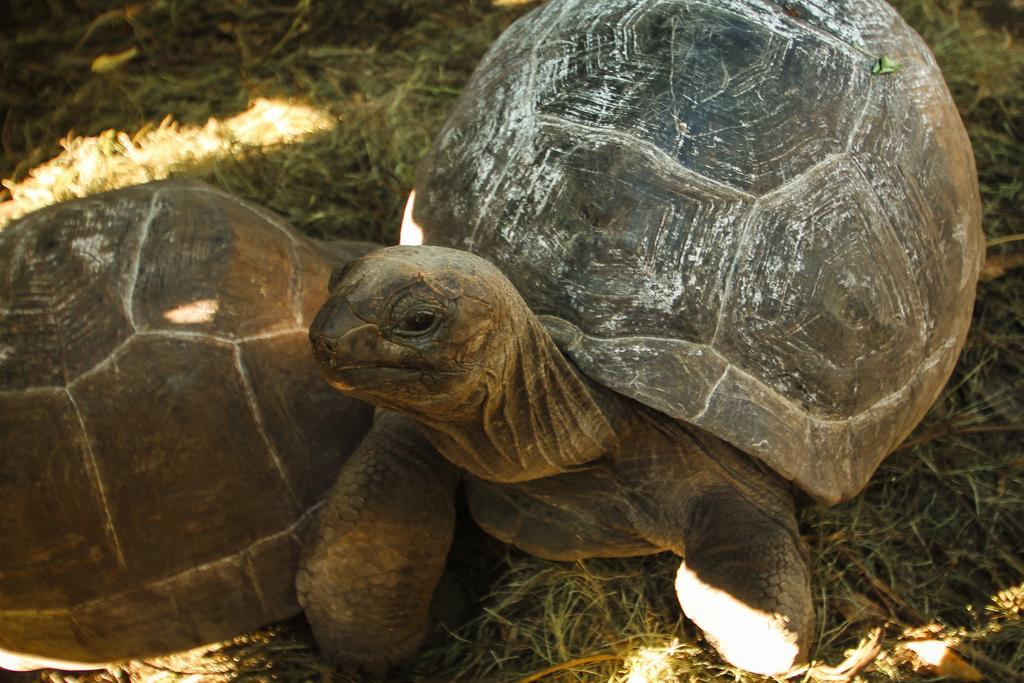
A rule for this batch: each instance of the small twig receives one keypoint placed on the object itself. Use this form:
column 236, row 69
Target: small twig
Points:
column 5, row 132
column 212, row 671
column 296, row 28
column 126, row 13
column 853, row 665
column 536, row 676
column 1005, row 240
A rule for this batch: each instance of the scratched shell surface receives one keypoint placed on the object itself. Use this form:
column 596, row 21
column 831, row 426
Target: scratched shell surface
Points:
column 164, row 431
column 727, row 215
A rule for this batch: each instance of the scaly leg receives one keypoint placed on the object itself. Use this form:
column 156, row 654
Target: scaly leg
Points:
column 379, row 547
column 745, row 582
column 744, row 579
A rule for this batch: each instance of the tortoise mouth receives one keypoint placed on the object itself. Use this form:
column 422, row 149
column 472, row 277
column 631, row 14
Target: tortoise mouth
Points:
column 355, row 376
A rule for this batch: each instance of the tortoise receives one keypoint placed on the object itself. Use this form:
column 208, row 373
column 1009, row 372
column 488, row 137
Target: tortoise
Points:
column 165, row 436
column 684, row 265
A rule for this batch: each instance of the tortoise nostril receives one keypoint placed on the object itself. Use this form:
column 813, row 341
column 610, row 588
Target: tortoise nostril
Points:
column 326, row 344
column 321, row 344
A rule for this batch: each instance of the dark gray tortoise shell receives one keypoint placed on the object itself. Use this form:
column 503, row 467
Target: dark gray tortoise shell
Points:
column 756, row 235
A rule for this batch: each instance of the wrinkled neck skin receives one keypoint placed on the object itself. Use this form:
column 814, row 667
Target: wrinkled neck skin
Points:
column 533, row 416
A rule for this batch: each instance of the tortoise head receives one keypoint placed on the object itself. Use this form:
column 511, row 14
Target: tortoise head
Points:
column 414, row 329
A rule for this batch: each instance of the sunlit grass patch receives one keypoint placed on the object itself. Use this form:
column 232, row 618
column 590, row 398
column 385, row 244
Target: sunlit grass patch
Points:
column 388, row 71
column 116, row 159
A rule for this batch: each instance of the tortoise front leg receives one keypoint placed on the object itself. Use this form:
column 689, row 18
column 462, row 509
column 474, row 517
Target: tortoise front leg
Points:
column 744, row 578
column 379, row 547
column 745, row 582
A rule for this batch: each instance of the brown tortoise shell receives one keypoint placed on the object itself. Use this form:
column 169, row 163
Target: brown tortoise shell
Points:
column 164, row 431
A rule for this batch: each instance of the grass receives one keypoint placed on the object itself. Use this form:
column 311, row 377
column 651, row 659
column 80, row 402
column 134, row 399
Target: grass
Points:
column 321, row 111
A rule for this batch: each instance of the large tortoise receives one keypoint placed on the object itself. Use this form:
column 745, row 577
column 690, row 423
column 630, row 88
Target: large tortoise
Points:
column 684, row 260
column 165, row 436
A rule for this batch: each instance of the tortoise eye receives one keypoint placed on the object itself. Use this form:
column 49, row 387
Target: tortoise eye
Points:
column 418, row 324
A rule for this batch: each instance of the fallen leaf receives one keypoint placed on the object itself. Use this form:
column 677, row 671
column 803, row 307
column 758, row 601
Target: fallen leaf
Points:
column 939, row 656
column 109, row 62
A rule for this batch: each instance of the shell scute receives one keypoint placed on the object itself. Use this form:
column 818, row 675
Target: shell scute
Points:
column 62, row 293
column 741, row 409
column 169, row 418
column 695, row 366
column 718, row 90
column 823, row 304
column 96, row 639
column 67, row 553
column 911, row 128
column 208, row 266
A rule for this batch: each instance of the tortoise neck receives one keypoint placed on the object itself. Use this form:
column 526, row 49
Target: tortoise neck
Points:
column 538, row 415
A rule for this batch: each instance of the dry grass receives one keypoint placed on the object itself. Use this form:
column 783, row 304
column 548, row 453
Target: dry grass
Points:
column 932, row 551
